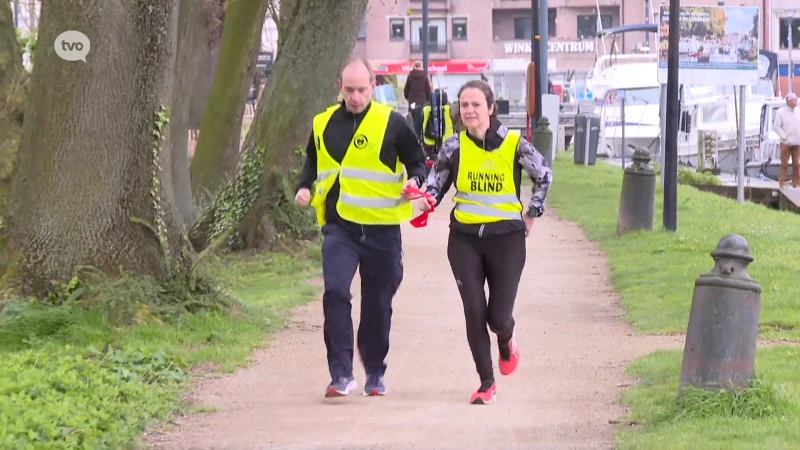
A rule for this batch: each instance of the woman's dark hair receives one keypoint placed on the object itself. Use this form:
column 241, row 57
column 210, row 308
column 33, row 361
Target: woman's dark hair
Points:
column 487, row 92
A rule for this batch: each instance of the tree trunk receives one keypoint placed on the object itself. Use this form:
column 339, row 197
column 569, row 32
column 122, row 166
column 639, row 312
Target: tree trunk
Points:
column 217, row 152
column 302, row 79
column 283, row 13
column 89, row 190
column 210, row 17
column 187, row 52
column 13, row 87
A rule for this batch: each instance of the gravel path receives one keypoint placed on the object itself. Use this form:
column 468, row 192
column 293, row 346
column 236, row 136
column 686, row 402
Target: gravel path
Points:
column 574, row 349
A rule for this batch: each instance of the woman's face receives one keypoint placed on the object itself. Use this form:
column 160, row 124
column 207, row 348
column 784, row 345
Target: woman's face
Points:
column 473, row 108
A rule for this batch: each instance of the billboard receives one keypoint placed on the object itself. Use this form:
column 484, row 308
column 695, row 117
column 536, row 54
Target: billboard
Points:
column 718, row 45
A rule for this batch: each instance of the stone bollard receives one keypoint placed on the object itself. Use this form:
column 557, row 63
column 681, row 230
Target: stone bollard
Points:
column 721, row 339
column 543, row 139
column 637, row 196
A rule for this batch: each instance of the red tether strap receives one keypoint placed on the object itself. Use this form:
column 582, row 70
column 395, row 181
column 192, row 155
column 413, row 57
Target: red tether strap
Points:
column 421, row 220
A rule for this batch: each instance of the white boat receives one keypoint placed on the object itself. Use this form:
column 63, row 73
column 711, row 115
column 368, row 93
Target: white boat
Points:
column 708, row 130
column 633, row 76
column 709, row 126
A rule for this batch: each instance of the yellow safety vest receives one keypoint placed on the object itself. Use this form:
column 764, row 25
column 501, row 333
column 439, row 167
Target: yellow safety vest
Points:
column 485, row 182
column 370, row 192
column 448, row 124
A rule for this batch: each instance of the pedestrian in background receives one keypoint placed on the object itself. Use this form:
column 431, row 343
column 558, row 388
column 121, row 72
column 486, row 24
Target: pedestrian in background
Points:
column 488, row 225
column 787, row 127
column 417, row 91
column 418, row 87
column 445, row 124
column 354, row 162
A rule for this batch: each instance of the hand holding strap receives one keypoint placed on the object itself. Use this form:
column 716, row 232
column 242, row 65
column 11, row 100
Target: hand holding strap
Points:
column 421, row 220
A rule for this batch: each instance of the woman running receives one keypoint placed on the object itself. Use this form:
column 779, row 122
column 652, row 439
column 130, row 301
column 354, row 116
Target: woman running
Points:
column 488, row 225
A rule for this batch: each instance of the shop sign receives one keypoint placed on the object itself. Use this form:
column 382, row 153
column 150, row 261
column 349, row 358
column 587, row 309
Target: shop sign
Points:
column 521, row 47
column 434, row 67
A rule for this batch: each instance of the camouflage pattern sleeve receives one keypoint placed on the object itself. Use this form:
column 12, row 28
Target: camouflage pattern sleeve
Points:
column 441, row 176
column 539, row 172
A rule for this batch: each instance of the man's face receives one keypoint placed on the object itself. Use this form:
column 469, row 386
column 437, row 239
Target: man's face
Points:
column 792, row 102
column 356, row 87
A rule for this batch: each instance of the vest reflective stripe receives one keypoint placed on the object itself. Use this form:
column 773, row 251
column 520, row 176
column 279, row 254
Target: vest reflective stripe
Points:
column 327, row 167
column 365, row 202
column 487, row 211
column 369, row 190
column 487, row 199
column 485, row 182
column 448, row 124
column 322, row 177
column 325, row 174
column 368, row 175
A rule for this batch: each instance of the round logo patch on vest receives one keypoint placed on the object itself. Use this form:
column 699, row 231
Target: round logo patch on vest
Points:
column 360, row 141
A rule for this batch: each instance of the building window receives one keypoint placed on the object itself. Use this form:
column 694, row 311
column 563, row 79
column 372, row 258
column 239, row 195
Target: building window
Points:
column 362, row 30
column 397, row 29
column 523, row 29
column 437, row 35
column 459, row 29
column 783, row 33
column 587, row 25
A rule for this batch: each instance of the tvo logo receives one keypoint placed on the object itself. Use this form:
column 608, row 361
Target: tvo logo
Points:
column 72, row 46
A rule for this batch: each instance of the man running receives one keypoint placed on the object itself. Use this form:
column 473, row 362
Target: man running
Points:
column 354, row 160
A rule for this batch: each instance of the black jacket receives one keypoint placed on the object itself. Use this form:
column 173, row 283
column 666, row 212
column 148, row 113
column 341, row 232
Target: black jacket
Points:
column 400, row 142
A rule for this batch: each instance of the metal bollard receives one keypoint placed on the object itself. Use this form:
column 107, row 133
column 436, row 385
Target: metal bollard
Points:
column 637, row 196
column 543, row 139
column 721, row 339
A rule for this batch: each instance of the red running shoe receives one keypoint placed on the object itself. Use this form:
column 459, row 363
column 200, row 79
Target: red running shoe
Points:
column 509, row 357
column 484, row 395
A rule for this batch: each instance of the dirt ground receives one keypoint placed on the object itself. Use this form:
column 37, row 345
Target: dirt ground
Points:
column 574, row 349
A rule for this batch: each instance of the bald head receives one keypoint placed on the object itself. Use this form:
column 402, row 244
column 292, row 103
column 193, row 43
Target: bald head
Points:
column 357, row 64
column 791, row 100
column 356, row 84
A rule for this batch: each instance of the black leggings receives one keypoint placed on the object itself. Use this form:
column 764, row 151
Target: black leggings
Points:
column 498, row 260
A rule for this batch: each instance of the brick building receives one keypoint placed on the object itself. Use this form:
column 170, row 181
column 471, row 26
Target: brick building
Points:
column 468, row 38
column 572, row 34
column 464, row 43
column 781, row 18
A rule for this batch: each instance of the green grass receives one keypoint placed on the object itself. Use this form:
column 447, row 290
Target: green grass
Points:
column 654, row 272
column 70, row 379
column 764, row 416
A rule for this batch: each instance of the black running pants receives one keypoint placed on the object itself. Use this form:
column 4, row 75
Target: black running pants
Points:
column 497, row 261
